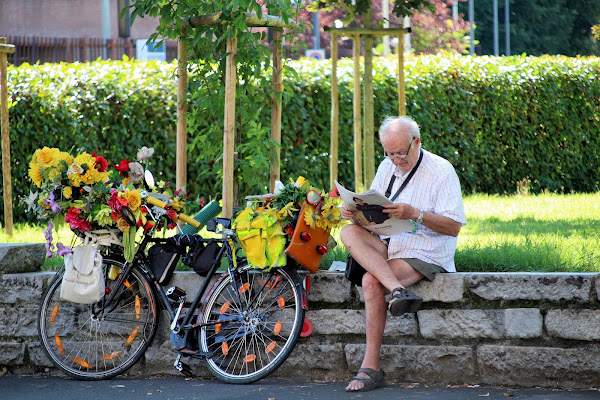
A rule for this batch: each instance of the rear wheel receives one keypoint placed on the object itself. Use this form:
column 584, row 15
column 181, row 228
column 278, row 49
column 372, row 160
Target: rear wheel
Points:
column 99, row 341
column 251, row 323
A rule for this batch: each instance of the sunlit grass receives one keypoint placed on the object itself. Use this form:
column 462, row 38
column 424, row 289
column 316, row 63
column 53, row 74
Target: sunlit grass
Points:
column 545, row 233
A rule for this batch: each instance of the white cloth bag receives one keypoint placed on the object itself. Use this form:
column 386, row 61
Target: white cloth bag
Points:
column 83, row 281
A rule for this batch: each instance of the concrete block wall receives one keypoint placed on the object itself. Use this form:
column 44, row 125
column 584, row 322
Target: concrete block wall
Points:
column 510, row 329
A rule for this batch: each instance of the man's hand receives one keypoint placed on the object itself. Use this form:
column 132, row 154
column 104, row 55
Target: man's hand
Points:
column 401, row 211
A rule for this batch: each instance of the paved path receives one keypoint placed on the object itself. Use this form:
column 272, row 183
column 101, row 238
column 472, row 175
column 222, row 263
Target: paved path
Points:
column 17, row 387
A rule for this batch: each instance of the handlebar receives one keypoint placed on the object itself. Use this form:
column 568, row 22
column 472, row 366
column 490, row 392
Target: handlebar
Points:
column 182, row 217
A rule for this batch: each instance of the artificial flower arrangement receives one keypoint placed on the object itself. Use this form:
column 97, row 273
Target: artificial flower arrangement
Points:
column 85, row 192
column 273, row 222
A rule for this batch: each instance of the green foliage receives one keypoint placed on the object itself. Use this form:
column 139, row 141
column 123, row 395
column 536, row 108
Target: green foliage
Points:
column 506, row 124
column 207, row 50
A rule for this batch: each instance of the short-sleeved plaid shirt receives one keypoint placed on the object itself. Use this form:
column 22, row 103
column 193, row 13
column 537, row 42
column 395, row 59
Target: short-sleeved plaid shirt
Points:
column 435, row 189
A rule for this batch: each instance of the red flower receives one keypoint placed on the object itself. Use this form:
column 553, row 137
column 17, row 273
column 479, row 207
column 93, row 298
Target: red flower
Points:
column 289, row 230
column 101, row 163
column 334, row 193
column 123, row 166
column 172, row 214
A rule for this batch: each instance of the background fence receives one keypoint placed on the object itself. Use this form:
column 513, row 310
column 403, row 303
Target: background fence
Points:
column 51, row 49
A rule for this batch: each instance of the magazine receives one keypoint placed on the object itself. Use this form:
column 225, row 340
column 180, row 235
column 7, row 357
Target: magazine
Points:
column 368, row 212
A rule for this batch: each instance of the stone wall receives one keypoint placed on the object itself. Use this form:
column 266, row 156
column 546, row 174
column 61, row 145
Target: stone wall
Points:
column 511, row 329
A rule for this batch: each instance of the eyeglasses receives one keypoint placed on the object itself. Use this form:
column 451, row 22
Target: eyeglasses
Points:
column 401, row 155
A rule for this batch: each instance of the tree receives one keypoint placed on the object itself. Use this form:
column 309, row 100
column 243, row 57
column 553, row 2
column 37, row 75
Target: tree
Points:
column 206, row 45
column 433, row 28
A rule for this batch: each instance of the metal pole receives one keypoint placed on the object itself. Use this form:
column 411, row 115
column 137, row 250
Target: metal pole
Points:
column 495, row 12
column 105, row 26
column 455, row 11
column 507, row 27
column 471, row 27
column 316, row 31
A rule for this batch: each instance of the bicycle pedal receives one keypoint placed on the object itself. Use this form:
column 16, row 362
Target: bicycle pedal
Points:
column 183, row 368
column 175, row 293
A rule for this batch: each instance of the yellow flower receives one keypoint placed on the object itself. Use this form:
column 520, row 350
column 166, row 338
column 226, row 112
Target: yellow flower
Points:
column 68, row 192
column 288, row 209
column 53, row 173
column 85, row 159
column 122, row 224
column 35, row 174
column 134, row 198
column 66, row 157
column 47, row 157
column 309, row 217
column 177, row 204
column 75, row 179
column 300, row 181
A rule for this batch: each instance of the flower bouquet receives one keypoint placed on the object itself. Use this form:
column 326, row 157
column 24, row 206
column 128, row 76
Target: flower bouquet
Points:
column 86, row 193
column 298, row 216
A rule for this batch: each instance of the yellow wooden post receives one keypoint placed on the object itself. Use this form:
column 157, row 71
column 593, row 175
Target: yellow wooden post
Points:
column 229, row 132
column 358, row 182
column 5, row 49
column 401, row 91
column 276, row 107
column 333, row 162
column 369, row 116
column 181, row 141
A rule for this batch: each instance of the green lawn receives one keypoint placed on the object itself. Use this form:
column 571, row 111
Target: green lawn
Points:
column 546, row 233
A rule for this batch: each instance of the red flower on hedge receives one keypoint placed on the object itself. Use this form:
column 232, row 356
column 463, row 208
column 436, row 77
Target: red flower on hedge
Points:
column 123, row 166
column 101, row 163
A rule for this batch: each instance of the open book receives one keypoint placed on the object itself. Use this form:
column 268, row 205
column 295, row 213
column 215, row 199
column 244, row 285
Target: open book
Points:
column 368, row 212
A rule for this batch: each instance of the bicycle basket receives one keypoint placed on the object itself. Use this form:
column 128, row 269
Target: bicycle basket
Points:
column 163, row 259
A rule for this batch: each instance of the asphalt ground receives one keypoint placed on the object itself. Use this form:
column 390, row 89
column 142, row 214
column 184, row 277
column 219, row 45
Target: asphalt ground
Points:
column 43, row 387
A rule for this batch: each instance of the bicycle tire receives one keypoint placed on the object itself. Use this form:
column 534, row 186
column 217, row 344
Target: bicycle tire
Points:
column 93, row 345
column 254, row 337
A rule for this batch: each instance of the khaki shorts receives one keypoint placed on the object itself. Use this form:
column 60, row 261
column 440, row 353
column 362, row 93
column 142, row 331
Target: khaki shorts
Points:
column 427, row 269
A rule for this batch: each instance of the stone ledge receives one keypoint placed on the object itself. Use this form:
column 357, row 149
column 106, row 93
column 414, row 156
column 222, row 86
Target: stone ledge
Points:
column 16, row 258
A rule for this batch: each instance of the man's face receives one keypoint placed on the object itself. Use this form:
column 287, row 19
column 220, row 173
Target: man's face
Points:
column 397, row 142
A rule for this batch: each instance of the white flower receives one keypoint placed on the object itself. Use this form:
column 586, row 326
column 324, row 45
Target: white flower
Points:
column 136, row 171
column 145, row 153
column 31, row 201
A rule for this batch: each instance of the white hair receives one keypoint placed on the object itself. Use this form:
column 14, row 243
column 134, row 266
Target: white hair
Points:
column 394, row 123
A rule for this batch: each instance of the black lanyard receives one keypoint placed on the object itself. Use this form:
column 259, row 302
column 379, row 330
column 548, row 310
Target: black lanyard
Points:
column 410, row 175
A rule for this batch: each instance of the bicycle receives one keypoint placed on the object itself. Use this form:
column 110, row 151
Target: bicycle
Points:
column 244, row 327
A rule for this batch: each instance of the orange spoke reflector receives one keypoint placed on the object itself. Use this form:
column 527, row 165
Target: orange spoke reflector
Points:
column 225, row 348
column 244, row 287
column 249, row 358
column 59, row 344
column 281, row 302
column 270, row 347
column 138, row 307
column 225, row 307
column 127, row 284
column 217, row 328
column 277, row 328
column 81, row 362
column 132, row 335
column 112, row 355
column 54, row 312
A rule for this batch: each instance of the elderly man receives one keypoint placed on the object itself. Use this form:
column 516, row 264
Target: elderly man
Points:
column 429, row 194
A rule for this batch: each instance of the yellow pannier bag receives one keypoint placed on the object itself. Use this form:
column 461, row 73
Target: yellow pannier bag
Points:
column 261, row 237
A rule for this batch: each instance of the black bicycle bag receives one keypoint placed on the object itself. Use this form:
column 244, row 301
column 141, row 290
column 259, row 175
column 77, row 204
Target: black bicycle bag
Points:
column 163, row 259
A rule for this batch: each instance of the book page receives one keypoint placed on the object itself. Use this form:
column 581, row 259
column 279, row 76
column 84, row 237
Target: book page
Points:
column 368, row 212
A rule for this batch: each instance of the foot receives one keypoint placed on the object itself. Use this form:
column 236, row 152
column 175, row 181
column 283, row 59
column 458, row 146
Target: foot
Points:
column 366, row 379
column 404, row 301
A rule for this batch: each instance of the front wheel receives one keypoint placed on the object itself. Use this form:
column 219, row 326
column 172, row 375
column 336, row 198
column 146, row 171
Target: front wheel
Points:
column 251, row 323
column 101, row 340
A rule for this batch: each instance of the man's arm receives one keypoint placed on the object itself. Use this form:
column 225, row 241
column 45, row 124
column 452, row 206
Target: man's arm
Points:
column 437, row 223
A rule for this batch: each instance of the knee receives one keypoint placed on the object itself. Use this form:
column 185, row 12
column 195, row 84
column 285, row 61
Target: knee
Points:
column 371, row 286
column 348, row 234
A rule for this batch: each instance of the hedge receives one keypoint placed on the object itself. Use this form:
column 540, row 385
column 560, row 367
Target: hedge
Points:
column 505, row 123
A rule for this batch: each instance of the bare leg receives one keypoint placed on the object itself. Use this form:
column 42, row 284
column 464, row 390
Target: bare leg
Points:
column 402, row 274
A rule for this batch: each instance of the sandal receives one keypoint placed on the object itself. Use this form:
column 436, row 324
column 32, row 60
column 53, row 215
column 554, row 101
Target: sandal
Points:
column 404, row 301
column 375, row 379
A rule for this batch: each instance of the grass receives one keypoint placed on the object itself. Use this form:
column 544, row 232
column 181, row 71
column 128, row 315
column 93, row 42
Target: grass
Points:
column 533, row 233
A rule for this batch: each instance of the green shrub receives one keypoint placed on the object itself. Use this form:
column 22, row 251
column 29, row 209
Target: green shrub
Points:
column 507, row 124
